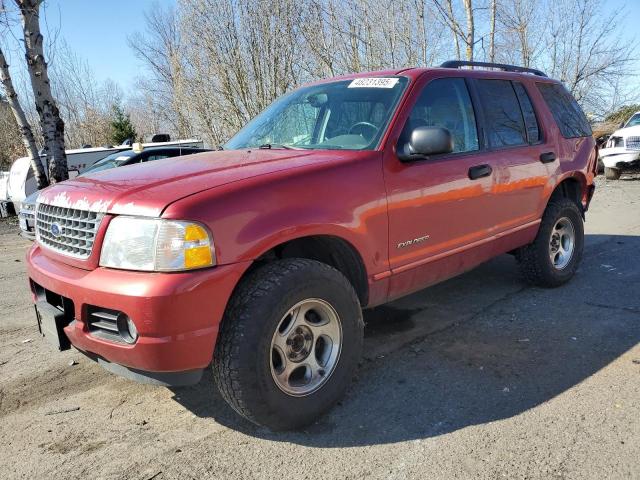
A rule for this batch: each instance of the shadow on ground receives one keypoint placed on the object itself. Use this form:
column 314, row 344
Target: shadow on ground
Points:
column 505, row 348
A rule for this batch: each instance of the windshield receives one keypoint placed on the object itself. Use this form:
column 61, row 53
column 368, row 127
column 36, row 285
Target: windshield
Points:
column 348, row 114
column 112, row 161
column 634, row 120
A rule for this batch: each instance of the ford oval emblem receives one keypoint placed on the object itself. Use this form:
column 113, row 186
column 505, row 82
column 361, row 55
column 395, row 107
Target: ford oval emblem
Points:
column 56, row 229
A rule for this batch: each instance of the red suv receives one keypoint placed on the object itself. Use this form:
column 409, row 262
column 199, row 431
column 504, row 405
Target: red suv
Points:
column 342, row 195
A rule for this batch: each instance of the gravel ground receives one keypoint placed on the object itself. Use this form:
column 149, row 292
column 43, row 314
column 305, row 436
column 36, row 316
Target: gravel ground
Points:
column 479, row 377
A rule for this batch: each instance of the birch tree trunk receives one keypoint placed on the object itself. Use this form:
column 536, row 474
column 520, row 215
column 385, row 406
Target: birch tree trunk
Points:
column 48, row 112
column 25, row 129
column 454, row 30
column 492, row 33
column 470, row 37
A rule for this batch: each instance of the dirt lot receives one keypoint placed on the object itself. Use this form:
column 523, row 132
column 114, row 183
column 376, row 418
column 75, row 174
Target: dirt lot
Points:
column 480, row 377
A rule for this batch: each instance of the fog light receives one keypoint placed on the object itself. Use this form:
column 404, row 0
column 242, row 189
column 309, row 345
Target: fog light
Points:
column 127, row 328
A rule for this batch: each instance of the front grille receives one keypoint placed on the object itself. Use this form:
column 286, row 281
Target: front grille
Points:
column 615, row 142
column 633, row 143
column 67, row 230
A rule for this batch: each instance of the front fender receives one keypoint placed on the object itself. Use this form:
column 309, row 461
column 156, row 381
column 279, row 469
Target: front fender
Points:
column 345, row 199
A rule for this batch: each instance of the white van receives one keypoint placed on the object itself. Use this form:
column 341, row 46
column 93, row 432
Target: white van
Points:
column 22, row 182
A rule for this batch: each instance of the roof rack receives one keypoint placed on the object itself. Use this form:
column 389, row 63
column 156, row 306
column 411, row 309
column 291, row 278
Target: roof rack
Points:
column 501, row 66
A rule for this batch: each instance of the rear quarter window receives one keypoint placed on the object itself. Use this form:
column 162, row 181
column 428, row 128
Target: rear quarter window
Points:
column 528, row 113
column 568, row 115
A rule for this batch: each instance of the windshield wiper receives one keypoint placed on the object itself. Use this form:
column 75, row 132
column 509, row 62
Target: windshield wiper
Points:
column 269, row 146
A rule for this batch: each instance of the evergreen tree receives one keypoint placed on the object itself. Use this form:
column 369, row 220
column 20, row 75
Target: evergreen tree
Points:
column 121, row 127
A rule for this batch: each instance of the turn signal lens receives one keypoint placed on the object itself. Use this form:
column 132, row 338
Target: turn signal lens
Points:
column 197, row 248
column 195, row 233
column 197, row 257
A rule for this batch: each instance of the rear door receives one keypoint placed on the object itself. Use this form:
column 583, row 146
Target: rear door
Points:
column 517, row 144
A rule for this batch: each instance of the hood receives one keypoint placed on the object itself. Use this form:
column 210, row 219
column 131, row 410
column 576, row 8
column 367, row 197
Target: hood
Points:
column 627, row 132
column 147, row 189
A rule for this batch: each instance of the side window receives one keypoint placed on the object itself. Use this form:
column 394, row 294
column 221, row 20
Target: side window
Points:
column 568, row 115
column 504, row 122
column 445, row 102
column 529, row 114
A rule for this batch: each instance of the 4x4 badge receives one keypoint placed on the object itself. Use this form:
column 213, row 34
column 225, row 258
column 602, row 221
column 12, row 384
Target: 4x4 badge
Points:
column 408, row 243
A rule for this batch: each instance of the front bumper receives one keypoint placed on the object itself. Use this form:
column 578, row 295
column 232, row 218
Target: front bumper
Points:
column 27, row 225
column 620, row 158
column 177, row 315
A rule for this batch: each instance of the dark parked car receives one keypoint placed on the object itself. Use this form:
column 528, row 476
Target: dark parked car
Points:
column 130, row 157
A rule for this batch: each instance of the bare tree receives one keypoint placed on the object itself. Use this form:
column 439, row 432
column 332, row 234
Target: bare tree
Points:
column 209, row 74
column 26, row 133
column 51, row 123
column 10, row 139
column 586, row 52
column 160, row 49
column 448, row 16
column 492, row 32
column 521, row 29
column 86, row 106
column 470, row 36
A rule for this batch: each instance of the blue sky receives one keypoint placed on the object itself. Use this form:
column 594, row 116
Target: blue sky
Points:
column 97, row 31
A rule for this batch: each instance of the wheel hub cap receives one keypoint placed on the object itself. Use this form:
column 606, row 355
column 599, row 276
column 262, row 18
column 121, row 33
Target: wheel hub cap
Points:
column 299, row 343
column 305, row 347
column 562, row 243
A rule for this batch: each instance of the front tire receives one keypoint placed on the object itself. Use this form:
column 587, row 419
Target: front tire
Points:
column 289, row 343
column 555, row 254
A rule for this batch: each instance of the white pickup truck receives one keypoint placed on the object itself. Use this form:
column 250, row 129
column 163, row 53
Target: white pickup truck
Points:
column 621, row 153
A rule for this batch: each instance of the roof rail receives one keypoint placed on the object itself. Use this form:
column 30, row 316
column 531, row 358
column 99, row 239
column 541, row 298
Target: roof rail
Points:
column 501, row 66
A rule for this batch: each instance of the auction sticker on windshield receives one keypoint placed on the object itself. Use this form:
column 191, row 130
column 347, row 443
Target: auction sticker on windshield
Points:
column 374, row 82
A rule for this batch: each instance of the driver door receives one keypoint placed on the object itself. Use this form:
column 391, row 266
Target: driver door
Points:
column 440, row 209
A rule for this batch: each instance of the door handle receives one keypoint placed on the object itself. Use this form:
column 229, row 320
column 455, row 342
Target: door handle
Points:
column 547, row 157
column 480, row 171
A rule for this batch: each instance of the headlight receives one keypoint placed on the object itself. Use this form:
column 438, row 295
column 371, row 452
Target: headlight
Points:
column 153, row 244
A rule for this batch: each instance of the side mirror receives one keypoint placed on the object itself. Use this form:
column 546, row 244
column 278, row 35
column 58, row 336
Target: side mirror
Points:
column 426, row 141
column 621, row 125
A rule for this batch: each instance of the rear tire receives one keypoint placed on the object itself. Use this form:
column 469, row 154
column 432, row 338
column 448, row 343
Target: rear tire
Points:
column 611, row 173
column 554, row 256
column 289, row 343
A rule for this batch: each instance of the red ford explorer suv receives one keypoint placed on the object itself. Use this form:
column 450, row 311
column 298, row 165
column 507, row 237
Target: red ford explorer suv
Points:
column 342, row 195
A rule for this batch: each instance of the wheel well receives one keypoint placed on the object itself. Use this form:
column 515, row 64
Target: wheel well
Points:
column 333, row 251
column 571, row 189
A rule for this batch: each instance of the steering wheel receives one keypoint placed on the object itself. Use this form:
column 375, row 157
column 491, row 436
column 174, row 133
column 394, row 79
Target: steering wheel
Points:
column 373, row 128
